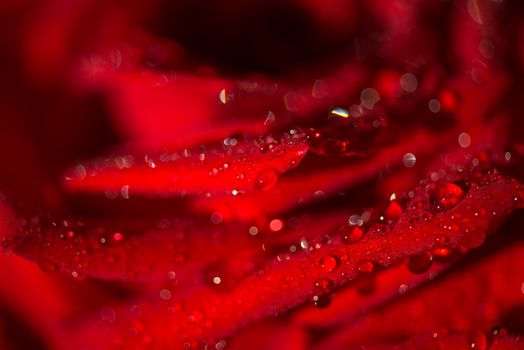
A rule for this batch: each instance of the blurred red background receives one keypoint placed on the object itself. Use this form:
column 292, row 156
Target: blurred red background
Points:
column 379, row 93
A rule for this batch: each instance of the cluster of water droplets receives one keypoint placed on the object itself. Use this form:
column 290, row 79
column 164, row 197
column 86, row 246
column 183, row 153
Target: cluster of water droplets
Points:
column 435, row 195
column 242, row 157
column 345, row 134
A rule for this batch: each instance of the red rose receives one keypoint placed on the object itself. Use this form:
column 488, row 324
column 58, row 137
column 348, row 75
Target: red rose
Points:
column 268, row 175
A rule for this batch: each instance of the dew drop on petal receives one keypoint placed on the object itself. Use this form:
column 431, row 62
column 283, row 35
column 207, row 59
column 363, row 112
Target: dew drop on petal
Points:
column 464, row 140
column 220, row 345
column 351, row 234
column 47, row 266
column 304, row 243
column 356, row 220
column 365, row 283
column 447, row 195
column 324, row 284
column 478, row 340
column 393, row 211
column 333, row 147
column 420, row 263
column 276, row 225
column 253, row 230
column 434, row 105
column 408, row 82
column 321, row 301
column 409, row 160
column 402, row 289
column 222, row 96
column 216, row 218
column 369, row 97
column 270, row 119
column 165, row 294
column 149, row 161
column 365, row 266
column 266, row 179
column 196, row 316
column 79, row 173
column 124, row 191
column 328, row 263
column 117, row 237
column 107, row 314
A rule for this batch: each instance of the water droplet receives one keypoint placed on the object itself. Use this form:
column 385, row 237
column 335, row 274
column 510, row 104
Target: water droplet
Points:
column 171, row 275
column 403, row 289
column 195, row 316
column 216, row 218
column 408, row 82
column 117, row 237
column 124, row 191
column 149, row 161
column 365, row 283
column 220, row 345
column 369, row 97
column 327, row 146
column 321, row 301
column 304, row 243
column 107, row 314
column 498, row 331
column 420, row 263
column 77, row 173
column 365, row 266
column 318, row 195
column 253, row 230
column 266, row 179
column 276, row 225
column 464, row 140
column 270, row 119
column 409, row 160
column 328, row 263
column 165, row 294
column 393, row 211
column 446, row 255
column 351, row 234
column 356, row 220
column 447, row 195
column 222, row 96
column 340, row 112
column 478, row 340
column 434, row 105
column 324, row 284
column 47, row 266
